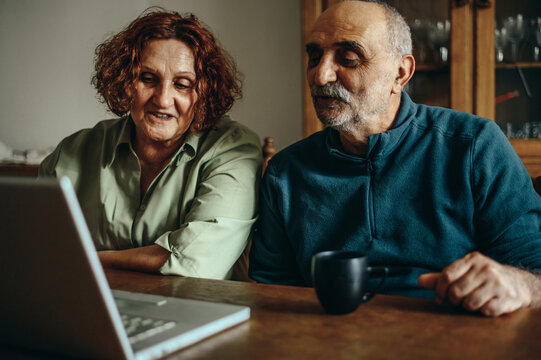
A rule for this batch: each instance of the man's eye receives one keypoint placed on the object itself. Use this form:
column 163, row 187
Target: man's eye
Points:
column 348, row 62
column 348, row 58
column 313, row 59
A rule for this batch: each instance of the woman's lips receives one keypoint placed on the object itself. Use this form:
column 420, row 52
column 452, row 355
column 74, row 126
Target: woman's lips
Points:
column 160, row 115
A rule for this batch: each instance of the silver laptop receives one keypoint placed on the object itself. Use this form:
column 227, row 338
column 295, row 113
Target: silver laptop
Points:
column 55, row 296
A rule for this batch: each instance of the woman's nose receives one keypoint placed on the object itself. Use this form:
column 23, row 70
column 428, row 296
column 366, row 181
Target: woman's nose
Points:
column 163, row 95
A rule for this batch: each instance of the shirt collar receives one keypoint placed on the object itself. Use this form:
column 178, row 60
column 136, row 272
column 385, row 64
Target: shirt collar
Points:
column 124, row 140
column 188, row 150
column 381, row 144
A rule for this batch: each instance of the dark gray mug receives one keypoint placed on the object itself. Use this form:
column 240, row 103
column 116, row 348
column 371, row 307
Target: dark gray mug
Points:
column 339, row 278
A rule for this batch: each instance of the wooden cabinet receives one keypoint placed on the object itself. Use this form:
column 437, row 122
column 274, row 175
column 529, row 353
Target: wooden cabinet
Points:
column 470, row 77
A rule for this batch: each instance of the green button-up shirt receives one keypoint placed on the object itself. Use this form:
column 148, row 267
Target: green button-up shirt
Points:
column 201, row 207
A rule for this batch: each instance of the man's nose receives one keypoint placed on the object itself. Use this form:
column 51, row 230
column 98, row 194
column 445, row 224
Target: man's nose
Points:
column 163, row 95
column 325, row 72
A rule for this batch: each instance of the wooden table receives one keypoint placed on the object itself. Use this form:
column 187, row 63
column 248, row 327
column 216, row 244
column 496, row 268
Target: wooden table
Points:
column 288, row 323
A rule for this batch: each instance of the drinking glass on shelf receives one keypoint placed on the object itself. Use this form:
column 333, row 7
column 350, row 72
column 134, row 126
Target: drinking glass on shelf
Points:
column 515, row 26
column 537, row 33
column 438, row 39
column 500, row 41
column 536, row 130
column 419, row 31
column 521, row 130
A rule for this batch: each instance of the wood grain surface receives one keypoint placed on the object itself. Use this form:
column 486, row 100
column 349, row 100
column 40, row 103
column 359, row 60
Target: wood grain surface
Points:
column 288, row 322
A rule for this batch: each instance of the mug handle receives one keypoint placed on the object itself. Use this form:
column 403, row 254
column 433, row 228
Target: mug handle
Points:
column 380, row 271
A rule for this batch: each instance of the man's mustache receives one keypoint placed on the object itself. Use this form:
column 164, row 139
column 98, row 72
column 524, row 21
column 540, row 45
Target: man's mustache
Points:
column 331, row 90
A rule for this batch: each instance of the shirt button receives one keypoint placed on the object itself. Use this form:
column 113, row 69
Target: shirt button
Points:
column 143, row 207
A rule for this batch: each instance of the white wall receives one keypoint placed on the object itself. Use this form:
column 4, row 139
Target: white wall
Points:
column 47, row 51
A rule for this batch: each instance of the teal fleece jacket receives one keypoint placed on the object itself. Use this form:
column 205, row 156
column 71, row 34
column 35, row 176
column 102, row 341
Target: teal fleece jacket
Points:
column 438, row 185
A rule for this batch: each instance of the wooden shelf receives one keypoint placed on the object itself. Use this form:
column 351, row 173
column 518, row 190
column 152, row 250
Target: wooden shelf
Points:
column 431, row 67
column 521, row 65
column 529, row 151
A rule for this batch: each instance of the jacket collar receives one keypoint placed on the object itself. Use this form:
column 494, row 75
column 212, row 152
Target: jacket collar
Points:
column 379, row 145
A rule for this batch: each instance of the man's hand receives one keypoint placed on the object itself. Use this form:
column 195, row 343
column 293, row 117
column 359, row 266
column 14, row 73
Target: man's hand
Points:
column 479, row 283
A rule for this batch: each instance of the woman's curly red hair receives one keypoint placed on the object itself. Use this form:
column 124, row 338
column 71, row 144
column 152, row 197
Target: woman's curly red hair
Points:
column 118, row 62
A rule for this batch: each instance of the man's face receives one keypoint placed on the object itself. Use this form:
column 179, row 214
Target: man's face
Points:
column 350, row 66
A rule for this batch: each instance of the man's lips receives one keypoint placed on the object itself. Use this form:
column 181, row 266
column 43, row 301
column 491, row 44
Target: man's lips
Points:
column 327, row 100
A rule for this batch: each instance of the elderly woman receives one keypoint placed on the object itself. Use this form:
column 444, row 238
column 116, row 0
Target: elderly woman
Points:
column 171, row 185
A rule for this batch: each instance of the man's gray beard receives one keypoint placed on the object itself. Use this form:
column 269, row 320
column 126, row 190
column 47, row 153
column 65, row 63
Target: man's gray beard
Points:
column 344, row 123
column 338, row 92
column 349, row 118
column 352, row 122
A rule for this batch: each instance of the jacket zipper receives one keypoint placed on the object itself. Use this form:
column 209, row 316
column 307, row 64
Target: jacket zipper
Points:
column 371, row 221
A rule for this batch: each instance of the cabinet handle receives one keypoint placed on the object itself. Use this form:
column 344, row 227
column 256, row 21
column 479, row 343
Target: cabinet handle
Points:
column 461, row 3
column 483, row 4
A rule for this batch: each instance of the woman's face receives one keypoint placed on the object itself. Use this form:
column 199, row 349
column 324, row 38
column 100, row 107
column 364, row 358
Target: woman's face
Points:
column 164, row 94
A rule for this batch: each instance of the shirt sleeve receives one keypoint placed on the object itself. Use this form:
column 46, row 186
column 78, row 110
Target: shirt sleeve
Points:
column 508, row 209
column 272, row 257
column 47, row 168
column 218, row 223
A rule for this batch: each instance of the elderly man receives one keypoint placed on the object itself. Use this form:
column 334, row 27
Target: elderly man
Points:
column 435, row 191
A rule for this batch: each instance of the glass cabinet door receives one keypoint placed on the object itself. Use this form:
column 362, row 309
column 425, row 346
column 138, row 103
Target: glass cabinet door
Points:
column 517, row 42
column 430, row 25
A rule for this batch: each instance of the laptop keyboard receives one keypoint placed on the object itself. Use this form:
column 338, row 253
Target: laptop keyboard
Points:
column 140, row 328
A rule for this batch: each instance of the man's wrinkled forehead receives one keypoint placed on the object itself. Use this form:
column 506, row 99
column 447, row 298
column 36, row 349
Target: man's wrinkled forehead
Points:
column 349, row 21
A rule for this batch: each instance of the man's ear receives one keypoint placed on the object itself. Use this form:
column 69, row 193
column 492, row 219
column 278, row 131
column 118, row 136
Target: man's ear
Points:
column 406, row 69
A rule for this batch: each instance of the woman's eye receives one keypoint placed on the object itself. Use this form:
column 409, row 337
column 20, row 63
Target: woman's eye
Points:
column 180, row 85
column 183, row 83
column 147, row 78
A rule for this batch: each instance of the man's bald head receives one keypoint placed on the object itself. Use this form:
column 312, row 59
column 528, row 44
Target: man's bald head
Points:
column 396, row 30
